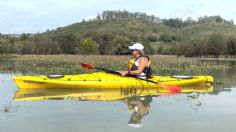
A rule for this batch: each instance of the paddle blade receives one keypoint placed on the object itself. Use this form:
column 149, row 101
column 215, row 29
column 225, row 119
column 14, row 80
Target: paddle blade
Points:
column 172, row 88
column 88, row 66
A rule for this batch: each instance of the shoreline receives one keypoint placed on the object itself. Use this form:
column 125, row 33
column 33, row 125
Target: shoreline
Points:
column 10, row 56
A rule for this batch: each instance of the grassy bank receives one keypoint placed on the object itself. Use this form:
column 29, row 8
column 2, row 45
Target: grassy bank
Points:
column 69, row 64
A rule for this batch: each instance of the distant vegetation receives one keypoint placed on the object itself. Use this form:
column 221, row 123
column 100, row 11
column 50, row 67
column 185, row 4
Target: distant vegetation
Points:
column 111, row 32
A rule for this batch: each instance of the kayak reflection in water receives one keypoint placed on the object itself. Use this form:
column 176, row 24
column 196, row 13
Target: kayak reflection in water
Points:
column 140, row 107
column 139, row 64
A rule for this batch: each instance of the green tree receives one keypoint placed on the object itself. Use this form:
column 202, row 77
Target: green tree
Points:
column 121, row 45
column 105, row 41
column 154, row 30
column 152, row 38
column 46, row 46
column 159, row 50
column 215, row 45
column 68, row 42
column 193, row 48
column 147, row 47
column 24, row 37
column 87, row 46
column 231, row 46
column 28, row 47
column 177, row 22
column 165, row 38
column 7, row 45
column 0, row 48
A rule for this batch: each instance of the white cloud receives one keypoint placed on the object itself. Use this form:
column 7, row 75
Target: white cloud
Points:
column 199, row 8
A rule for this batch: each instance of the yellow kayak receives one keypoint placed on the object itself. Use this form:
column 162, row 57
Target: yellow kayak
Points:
column 96, row 94
column 102, row 80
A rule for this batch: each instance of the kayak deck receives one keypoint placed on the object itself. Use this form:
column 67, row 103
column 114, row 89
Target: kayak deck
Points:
column 102, row 80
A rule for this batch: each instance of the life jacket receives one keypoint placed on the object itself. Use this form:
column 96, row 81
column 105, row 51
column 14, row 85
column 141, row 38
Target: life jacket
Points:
column 133, row 66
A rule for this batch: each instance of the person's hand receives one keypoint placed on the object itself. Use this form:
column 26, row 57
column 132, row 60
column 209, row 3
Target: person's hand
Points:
column 124, row 73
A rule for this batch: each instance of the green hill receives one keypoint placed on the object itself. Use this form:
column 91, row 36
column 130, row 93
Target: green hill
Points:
column 112, row 31
column 125, row 26
column 207, row 29
column 144, row 28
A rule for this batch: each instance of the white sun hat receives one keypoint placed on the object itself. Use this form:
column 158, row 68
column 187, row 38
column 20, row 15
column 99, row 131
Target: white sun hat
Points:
column 136, row 46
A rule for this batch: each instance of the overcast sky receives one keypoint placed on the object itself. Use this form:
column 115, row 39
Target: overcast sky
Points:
column 31, row 16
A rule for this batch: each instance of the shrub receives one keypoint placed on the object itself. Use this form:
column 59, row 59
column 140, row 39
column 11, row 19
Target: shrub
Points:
column 166, row 38
column 231, row 46
column 87, row 46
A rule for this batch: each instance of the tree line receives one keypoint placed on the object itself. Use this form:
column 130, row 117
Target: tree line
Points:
column 213, row 46
column 105, row 42
column 173, row 22
column 65, row 43
column 108, row 15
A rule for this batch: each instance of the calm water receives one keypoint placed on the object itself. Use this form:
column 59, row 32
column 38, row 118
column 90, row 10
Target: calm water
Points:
column 64, row 112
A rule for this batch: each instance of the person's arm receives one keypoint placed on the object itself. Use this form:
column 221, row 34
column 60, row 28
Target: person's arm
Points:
column 142, row 64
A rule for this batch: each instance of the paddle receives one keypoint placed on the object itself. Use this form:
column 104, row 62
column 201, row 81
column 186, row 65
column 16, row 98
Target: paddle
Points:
column 172, row 88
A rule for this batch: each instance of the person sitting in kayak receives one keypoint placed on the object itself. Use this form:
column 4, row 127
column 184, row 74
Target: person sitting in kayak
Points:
column 139, row 64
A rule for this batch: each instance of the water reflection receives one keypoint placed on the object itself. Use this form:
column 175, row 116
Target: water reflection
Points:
column 140, row 107
column 138, row 101
column 97, row 94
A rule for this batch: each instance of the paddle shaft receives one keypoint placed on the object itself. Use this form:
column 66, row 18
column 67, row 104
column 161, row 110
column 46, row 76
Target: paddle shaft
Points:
column 117, row 73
